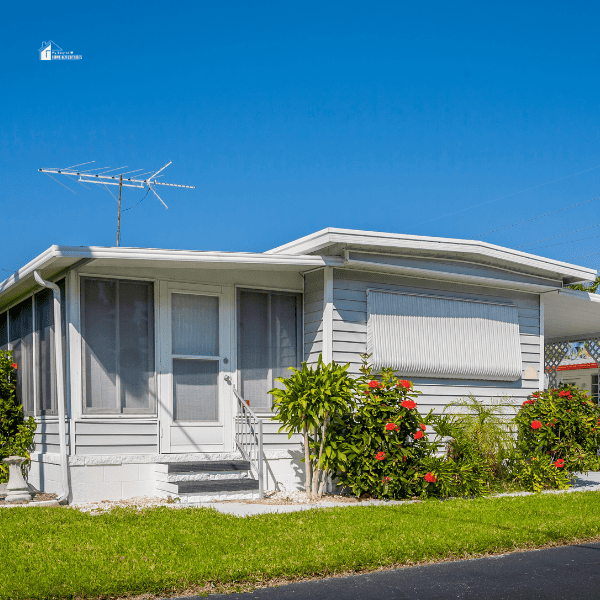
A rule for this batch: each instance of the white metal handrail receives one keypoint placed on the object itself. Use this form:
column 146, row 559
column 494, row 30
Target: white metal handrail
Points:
column 249, row 438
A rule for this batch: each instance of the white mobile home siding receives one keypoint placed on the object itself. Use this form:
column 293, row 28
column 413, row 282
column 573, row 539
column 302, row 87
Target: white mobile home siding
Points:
column 350, row 332
column 313, row 315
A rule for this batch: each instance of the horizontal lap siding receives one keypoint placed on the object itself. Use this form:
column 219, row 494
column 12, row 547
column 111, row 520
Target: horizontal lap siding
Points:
column 115, row 438
column 272, row 440
column 350, row 332
column 313, row 315
column 46, row 438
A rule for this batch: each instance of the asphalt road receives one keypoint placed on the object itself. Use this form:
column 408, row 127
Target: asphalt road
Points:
column 566, row 573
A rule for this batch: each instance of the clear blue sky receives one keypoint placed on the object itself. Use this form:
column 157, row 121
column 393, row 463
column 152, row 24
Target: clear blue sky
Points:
column 293, row 117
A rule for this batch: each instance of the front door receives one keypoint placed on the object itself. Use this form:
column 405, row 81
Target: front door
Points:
column 195, row 357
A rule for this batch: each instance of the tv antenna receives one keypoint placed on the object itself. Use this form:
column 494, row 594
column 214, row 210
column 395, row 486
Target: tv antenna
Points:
column 101, row 178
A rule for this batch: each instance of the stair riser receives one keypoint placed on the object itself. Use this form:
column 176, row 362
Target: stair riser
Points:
column 211, row 476
column 213, row 497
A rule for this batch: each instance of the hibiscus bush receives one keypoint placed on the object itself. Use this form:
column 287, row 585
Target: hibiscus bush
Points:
column 16, row 433
column 385, row 449
column 563, row 425
column 383, row 440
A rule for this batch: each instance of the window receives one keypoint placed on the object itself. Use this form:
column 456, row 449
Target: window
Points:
column 427, row 336
column 268, row 341
column 595, row 392
column 117, row 329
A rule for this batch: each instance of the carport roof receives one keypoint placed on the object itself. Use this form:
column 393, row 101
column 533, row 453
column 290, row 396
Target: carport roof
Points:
column 571, row 316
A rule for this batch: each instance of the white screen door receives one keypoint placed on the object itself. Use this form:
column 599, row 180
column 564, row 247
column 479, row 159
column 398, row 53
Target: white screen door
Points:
column 197, row 354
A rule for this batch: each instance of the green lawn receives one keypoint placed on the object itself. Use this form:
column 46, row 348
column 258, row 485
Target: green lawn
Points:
column 62, row 553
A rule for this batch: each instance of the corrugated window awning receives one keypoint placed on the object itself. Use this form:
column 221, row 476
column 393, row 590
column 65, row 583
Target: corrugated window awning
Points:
column 427, row 336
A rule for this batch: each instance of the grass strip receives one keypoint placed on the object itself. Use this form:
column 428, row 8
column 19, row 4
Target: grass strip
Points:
column 62, row 553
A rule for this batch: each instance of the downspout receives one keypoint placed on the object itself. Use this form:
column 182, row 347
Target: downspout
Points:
column 60, row 387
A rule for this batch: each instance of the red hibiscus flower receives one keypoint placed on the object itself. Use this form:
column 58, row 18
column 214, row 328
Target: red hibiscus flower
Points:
column 373, row 384
column 422, row 426
column 14, row 365
column 391, row 427
column 385, row 480
column 430, row 478
column 418, row 435
column 535, row 424
column 406, row 384
column 408, row 404
column 380, row 456
column 598, row 421
column 560, row 463
column 565, row 394
column 535, row 394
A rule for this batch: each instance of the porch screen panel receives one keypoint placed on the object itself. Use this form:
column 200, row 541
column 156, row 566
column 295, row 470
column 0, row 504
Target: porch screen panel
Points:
column 136, row 347
column 284, row 334
column 45, row 358
column 268, row 342
column 4, row 331
column 426, row 336
column 195, row 390
column 21, row 339
column 118, row 346
column 254, row 348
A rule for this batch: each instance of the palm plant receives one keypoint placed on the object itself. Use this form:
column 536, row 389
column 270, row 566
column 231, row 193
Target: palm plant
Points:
column 479, row 432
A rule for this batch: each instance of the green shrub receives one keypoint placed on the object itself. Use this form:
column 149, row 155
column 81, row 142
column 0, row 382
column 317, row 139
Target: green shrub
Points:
column 462, row 477
column 539, row 473
column 562, row 424
column 16, row 433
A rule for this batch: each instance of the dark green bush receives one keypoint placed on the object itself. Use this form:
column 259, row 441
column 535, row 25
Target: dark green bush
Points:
column 16, row 433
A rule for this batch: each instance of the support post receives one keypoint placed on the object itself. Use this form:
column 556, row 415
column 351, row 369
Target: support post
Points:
column 542, row 367
column 261, row 483
column 327, row 315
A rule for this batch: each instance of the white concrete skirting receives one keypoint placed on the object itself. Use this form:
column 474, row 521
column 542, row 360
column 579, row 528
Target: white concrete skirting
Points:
column 123, row 476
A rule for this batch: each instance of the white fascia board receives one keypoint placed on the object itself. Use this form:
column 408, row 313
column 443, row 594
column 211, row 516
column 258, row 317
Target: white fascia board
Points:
column 327, row 237
column 430, row 274
column 153, row 254
column 193, row 256
column 580, row 295
column 39, row 262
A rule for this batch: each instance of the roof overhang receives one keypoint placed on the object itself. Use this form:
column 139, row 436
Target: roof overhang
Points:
column 335, row 241
column 571, row 316
column 55, row 261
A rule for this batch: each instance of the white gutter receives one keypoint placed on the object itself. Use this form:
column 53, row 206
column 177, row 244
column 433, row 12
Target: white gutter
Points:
column 60, row 386
column 506, row 284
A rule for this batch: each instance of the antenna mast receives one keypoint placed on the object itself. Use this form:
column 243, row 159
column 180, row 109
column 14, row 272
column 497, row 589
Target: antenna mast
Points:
column 101, row 178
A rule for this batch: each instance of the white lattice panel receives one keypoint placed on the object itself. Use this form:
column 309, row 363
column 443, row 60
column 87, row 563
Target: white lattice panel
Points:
column 593, row 347
column 554, row 352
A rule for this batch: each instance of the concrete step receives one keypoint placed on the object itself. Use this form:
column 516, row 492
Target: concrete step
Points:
column 210, row 490
column 206, row 481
